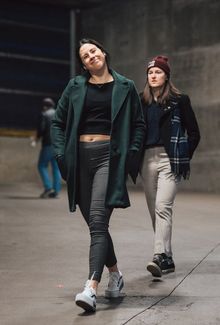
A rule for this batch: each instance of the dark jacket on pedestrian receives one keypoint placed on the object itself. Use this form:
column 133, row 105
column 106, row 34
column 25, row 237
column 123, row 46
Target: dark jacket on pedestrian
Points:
column 43, row 128
column 188, row 121
column 127, row 133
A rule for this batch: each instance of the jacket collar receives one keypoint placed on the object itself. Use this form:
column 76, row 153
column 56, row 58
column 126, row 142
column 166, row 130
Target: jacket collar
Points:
column 170, row 106
column 120, row 92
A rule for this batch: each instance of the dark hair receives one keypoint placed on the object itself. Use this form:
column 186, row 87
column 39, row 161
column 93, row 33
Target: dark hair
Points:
column 168, row 91
column 97, row 44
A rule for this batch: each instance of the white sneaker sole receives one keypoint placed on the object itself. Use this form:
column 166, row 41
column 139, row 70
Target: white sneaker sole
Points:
column 154, row 269
column 85, row 303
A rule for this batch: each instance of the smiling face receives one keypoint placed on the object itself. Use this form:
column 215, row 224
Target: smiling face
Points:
column 93, row 59
column 156, row 77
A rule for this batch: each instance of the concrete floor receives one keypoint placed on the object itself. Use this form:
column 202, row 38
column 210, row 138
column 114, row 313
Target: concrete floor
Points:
column 44, row 262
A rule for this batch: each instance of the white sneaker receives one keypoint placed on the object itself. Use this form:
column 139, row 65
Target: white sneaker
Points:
column 115, row 285
column 87, row 298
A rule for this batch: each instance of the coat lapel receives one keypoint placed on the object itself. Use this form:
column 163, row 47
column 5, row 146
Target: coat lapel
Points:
column 168, row 108
column 78, row 93
column 78, row 96
column 120, row 91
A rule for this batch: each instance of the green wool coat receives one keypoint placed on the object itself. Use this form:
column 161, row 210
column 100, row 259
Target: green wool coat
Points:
column 127, row 134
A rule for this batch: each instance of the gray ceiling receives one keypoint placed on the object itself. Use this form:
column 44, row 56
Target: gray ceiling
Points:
column 75, row 4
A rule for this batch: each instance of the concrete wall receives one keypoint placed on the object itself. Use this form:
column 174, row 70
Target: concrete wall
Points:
column 188, row 32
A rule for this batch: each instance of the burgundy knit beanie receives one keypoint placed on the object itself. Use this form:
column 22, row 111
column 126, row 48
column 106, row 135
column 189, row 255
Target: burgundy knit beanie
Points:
column 161, row 62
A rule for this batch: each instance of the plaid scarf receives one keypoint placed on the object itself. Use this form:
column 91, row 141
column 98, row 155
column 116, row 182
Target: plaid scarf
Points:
column 179, row 149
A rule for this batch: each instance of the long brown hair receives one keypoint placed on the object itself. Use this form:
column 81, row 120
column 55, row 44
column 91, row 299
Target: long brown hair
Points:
column 168, row 91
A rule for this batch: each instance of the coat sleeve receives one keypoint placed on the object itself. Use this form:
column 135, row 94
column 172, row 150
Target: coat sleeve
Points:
column 58, row 124
column 41, row 126
column 137, row 135
column 137, row 122
column 189, row 123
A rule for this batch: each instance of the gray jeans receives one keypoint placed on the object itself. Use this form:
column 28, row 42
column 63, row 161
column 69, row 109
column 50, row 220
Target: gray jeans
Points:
column 93, row 170
column 160, row 186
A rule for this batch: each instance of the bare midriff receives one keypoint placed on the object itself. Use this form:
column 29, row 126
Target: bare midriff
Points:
column 93, row 137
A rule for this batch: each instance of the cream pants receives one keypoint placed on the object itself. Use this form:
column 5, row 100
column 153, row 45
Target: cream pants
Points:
column 160, row 186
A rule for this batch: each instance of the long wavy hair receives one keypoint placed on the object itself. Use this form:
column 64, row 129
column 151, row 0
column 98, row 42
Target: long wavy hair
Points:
column 167, row 92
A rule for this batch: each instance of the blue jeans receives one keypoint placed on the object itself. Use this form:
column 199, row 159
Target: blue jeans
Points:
column 46, row 157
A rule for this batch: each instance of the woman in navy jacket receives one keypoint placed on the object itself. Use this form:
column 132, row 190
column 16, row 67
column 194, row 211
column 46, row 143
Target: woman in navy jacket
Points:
column 171, row 139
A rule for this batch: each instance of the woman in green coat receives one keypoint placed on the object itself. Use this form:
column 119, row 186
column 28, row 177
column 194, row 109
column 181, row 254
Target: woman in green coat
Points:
column 97, row 134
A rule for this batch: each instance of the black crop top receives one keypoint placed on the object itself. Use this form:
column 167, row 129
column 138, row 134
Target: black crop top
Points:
column 96, row 116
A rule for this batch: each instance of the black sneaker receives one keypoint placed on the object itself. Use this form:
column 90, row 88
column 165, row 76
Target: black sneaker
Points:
column 53, row 195
column 160, row 265
column 46, row 194
column 155, row 267
column 167, row 265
